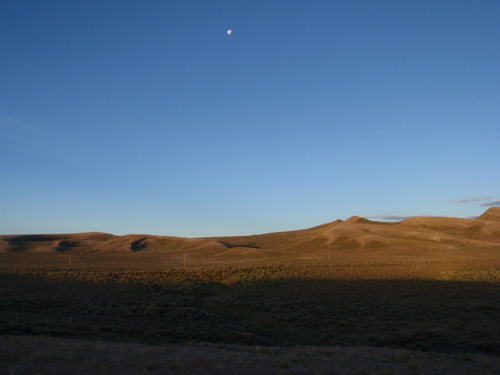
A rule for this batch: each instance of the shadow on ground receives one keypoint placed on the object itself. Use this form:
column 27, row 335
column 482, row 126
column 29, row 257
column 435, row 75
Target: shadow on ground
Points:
column 238, row 307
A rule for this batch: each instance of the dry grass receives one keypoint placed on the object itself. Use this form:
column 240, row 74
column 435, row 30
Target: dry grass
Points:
column 417, row 297
column 439, row 307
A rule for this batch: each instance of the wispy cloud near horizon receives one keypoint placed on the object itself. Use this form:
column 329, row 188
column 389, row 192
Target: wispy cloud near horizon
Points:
column 390, row 217
column 490, row 204
column 474, row 199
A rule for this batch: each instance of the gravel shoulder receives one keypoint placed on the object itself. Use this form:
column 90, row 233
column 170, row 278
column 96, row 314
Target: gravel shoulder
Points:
column 44, row 355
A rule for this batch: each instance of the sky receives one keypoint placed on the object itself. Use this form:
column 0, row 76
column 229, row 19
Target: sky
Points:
column 148, row 117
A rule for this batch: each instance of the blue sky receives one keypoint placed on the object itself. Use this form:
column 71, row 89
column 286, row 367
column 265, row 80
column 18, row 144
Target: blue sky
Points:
column 147, row 117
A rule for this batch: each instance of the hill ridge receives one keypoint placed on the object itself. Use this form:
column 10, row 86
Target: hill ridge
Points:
column 492, row 213
column 432, row 234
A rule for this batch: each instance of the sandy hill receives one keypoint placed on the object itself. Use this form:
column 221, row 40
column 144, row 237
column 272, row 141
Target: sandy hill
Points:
column 492, row 213
column 423, row 234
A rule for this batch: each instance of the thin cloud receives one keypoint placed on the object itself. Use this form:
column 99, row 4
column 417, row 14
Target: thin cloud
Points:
column 490, row 204
column 390, row 217
column 474, row 199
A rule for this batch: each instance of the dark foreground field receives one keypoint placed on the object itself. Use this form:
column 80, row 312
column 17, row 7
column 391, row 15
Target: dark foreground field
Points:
column 427, row 307
column 48, row 355
column 443, row 308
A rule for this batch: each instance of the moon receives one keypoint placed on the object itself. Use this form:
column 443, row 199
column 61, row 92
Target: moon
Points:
column 229, row 32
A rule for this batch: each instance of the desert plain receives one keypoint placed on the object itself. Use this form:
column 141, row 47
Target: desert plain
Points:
column 418, row 296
